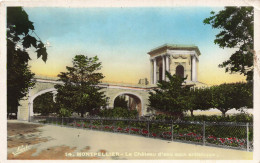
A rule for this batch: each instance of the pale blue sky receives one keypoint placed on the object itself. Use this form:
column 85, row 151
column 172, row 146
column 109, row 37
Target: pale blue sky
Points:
column 121, row 37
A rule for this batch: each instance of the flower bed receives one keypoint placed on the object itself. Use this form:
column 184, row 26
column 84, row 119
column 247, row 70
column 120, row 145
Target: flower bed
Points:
column 229, row 135
column 166, row 135
column 233, row 142
column 108, row 128
column 190, row 136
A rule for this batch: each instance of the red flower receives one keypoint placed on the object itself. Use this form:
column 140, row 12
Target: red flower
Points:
column 154, row 135
column 181, row 134
column 144, row 131
column 135, row 129
column 242, row 143
column 222, row 140
column 198, row 138
column 165, row 133
column 189, row 134
column 119, row 129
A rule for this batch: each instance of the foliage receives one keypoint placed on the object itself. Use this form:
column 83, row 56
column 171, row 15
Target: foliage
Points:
column 64, row 112
column 170, row 96
column 203, row 98
column 121, row 102
column 44, row 104
column 236, row 26
column 233, row 95
column 242, row 117
column 164, row 117
column 118, row 112
column 80, row 92
column 200, row 99
column 18, row 76
column 19, row 38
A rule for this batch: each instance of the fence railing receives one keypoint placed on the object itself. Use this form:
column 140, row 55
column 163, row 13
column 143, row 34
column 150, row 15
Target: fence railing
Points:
column 222, row 134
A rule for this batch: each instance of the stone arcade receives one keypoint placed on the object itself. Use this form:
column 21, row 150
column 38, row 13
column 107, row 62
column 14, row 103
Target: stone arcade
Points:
column 177, row 59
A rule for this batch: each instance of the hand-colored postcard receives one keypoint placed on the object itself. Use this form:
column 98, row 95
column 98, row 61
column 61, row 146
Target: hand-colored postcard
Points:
column 148, row 81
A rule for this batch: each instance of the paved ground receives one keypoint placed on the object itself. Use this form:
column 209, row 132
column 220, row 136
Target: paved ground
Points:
column 54, row 142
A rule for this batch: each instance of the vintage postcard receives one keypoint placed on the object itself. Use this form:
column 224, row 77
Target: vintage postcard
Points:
column 123, row 80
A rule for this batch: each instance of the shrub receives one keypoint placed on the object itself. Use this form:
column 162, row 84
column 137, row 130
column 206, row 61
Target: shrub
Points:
column 241, row 117
column 64, row 112
column 119, row 113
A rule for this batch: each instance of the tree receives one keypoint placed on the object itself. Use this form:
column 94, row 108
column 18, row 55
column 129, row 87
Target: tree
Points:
column 19, row 38
column 237, row 31
column 200, row 99
column 171, row 96
column 234, row 95
column 121, row 102
column 44, row 104
column 80, row 92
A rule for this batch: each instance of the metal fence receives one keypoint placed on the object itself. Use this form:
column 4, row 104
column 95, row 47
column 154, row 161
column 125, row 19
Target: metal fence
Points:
column 222, row 134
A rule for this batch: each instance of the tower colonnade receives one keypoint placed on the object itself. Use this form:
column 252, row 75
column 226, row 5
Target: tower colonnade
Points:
column 181, row 60
column 165, row 67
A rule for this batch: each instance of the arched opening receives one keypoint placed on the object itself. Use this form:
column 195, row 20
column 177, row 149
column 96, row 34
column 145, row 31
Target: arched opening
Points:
column 180, row 71
column 44, row 104
column 32, row 98
column 129, row 101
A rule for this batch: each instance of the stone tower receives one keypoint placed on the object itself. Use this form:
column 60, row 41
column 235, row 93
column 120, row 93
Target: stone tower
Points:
column 181, row 60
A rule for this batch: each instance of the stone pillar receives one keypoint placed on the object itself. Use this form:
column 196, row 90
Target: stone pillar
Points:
column 30, row 105
column 23, row 110
column 163, row 68
column 194, row 69
column 54, row 93
column 30, row 109
column 151, row 71
column 167, row 65
column 154, row 71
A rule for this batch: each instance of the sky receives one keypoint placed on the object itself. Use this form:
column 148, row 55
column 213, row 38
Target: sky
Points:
column 122, row 37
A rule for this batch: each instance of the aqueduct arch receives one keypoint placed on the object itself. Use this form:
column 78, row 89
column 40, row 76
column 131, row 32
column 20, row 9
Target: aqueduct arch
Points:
column 136, row 104
column 26, row 104
column 31, row 99
column 141, row 93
